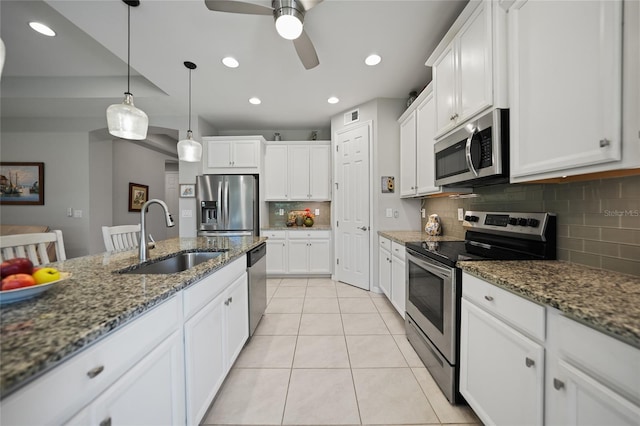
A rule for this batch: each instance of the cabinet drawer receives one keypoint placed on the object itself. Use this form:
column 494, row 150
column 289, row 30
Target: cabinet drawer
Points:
column 523, row 314
column 398, row 250
column 385, row 243
column 66, row 389
column 202, row 292
column 305, row 235
column 618, row 366
column 274, row 234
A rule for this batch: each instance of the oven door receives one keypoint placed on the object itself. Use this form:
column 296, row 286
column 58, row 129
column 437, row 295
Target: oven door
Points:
column 431, row 301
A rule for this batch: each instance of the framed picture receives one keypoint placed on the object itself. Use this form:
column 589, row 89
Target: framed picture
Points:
column 187, row 190
column 22, row 183
column 138, row 195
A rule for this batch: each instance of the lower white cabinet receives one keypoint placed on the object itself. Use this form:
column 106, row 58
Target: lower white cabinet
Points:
column 392, row 274
column 298, row 252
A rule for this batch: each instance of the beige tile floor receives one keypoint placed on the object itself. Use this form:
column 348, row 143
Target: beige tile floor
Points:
column 327, row 353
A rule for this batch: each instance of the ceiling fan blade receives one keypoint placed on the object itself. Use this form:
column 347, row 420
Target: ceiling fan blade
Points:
column 306, row 51
column 238, row 7
column 308, row 4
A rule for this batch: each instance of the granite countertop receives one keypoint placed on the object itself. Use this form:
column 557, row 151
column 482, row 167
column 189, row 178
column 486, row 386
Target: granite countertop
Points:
column 403, row 237
column 297, row 228
column 38, row 334
column 605, row 300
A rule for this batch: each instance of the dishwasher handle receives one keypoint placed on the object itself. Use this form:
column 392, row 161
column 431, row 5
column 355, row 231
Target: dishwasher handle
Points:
column 255, row 254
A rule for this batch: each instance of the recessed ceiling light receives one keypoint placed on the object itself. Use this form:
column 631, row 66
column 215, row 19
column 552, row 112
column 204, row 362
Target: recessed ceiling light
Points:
column 333, row 100
column 42, row 29
column 230, row 62
column 372, row 60
column 255, row 101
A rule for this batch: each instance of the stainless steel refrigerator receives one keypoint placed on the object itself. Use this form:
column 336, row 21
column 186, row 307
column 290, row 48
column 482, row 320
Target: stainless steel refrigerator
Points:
column 227, row 205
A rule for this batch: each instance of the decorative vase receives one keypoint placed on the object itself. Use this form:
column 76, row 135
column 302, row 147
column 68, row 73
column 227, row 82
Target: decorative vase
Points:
column 308, row 221
column 299, row 220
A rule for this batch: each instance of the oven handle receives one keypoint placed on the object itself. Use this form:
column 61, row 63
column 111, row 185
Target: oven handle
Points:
column 430, row 266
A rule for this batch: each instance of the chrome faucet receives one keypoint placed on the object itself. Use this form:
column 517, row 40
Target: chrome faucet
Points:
column 142, row 249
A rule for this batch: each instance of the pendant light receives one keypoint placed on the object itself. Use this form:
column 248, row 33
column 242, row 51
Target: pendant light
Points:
column 189, row 149
column 125, row 120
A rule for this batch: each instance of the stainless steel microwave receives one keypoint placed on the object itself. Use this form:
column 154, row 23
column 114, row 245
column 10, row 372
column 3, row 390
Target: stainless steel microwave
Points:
column 477, row 154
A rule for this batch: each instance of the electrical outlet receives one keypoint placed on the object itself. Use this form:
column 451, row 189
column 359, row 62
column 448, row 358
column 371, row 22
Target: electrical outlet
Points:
column 460, row 214
column 317, row 213
column 423, row 212
column 281, row 212
column 70, row 212
column 389, row 213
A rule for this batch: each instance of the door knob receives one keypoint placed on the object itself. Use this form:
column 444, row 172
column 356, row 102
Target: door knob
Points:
column 363, row 228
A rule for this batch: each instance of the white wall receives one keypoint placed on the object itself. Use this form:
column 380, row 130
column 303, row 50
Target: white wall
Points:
column 100, row 190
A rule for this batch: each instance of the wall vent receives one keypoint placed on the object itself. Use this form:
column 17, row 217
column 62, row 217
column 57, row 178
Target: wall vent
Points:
column 352, row 116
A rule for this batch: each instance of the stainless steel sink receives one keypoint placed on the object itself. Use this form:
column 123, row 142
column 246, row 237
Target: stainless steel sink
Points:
column 176, row 263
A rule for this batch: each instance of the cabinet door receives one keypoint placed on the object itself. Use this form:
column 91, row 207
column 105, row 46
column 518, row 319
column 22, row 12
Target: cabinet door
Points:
column 580, row 399
column 408, row 156
column 298, row 256
column 237, row 304
column 426, row 132
column 299, row 172
column 501, row 370
column 398, row 284
column 444, row 89
column 565, row 86
column 246, row 154
column 219, row 154
column 384, row 274
column 276, row 256
column 320, row 172
column 319, row 256
column 204, row 339
column 475, row 86
column 151, row 393
column 276, row 173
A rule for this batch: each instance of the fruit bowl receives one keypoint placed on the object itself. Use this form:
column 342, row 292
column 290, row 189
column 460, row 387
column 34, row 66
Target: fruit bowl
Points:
column 11, row 296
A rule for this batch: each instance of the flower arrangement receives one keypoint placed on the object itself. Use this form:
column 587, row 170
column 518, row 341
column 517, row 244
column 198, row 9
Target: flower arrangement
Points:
column 307, row 213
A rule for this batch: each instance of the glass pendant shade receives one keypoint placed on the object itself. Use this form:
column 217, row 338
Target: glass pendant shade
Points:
column 289, row 26
column 126, row 121
column 189, row 149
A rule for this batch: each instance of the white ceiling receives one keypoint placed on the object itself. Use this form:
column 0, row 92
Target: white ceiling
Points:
column 83, row 69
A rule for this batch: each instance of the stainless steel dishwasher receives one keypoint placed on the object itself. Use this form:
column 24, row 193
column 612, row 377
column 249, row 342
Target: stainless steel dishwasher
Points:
column 257, row 272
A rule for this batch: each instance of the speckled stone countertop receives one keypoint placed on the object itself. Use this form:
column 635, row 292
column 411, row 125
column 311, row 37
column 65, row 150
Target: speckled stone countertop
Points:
column 403, row 237
column 605, row 300
column 37, row 334
column 298, row 228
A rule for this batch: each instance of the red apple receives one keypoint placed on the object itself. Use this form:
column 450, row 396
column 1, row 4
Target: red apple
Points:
column 17, row 265
column 17, row 281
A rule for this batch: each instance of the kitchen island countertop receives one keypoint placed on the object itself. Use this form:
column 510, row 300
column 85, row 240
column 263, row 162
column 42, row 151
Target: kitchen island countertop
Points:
column 38, row 334
column 605, row 300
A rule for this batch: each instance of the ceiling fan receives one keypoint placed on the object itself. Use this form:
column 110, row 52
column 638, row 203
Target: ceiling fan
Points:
column 288, row 16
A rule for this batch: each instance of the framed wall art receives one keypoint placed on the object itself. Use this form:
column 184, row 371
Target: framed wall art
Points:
column 138, row 195
column 21, row 183
column 187, row 190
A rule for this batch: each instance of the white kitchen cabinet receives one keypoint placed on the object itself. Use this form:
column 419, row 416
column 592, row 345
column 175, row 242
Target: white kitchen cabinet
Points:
column 232, row 154
column 398, row 278
column 469, row 66
column 584, row 386
column 216, row 328
column 276, row 252
column 276, row 173
column 309, row 252
column 408, row 159
column 566, row 88
column 384, row 273
column 501, row 367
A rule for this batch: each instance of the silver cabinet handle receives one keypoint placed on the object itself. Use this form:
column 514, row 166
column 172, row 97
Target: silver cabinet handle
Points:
column 489, row 298
column 604, row 143
column 529, row 362
column 558, row 384
column 226, row 302
column 231, row 300
column 95, row 371
column 106, row 422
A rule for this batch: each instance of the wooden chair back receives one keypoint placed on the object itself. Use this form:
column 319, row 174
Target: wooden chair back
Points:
column 121, row 237
column 33, row 246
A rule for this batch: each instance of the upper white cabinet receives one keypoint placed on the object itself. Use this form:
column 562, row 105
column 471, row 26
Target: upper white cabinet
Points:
column 298, row 171
column 408, row 158
column 232, row 154
column 567, row 92
column 469, row 66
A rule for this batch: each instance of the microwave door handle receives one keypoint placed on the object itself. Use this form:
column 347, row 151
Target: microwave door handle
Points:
column 468, row 152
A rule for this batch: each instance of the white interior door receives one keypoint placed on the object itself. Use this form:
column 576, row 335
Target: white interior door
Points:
column 352, row 206
column 171, row 198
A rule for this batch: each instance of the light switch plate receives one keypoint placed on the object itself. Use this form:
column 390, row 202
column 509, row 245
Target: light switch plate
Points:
column 77, row 213
column 389, row 213
column 187, row 213
column 423, row 213
column 460, row 214
column 317, row 212
column 281, row 212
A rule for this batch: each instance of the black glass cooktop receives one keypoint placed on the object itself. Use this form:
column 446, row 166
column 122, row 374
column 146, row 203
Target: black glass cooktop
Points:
column 447, row 252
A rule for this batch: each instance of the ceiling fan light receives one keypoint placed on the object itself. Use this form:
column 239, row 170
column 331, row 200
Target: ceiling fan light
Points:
column 289, row 23
column 126, row 121
column 189, row 150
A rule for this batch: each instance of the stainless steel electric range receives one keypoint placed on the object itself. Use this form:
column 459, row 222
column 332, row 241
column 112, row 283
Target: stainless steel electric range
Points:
column 434, row 283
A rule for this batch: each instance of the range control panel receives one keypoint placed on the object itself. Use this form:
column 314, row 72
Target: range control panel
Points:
column 533, row 224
